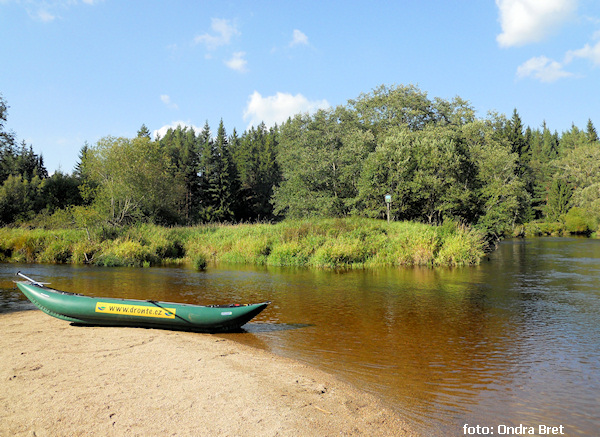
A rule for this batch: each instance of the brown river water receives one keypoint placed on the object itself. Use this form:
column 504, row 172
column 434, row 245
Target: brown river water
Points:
column 510, row 346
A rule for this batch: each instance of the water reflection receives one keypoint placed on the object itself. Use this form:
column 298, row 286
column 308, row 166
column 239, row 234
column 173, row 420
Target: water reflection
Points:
column 513, row 341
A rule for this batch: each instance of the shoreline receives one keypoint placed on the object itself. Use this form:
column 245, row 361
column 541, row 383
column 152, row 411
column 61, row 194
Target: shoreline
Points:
column 60, row 379
column 321, row 243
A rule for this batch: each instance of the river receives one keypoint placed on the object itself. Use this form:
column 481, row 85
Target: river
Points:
column 514, row 341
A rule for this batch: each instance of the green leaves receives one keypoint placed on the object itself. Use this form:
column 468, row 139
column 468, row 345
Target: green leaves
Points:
column 133, row 180
column 321, row 159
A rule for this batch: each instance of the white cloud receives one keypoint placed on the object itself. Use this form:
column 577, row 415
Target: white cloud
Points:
column 167, row 101
column 163, row 130
column 589, row 52
column 44, row 15
column 298, row 38
column 237, row 62
column 527, row 21
column 543, row 69
column 223, row 29
column 49, row 10
column 278, row 108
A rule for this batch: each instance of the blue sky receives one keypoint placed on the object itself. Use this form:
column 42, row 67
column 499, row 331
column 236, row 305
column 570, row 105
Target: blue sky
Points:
column 78, row 70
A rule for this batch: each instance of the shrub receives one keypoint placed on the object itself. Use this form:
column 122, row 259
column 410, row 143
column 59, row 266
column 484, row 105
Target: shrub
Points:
column 576, row 222
column 199, row 262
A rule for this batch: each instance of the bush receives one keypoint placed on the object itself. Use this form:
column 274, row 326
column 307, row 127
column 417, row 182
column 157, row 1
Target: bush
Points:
column 576, row 222
column 125, row 253
column 541, row 229
column 199, row 262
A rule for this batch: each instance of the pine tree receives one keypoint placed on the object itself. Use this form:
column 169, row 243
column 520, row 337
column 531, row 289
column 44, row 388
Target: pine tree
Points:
column 592, row 135
column 515, row 135
column 559, row 196
column 206, row 172
column 550, row 143
column 7, row 139
column 143, row 132
column 225, row 188
column 182, row 147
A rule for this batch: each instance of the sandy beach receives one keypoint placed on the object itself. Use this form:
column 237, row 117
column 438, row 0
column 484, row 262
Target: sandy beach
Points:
column 58, row 379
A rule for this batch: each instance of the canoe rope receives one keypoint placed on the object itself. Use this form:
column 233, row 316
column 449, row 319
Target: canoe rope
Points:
column 153, row 302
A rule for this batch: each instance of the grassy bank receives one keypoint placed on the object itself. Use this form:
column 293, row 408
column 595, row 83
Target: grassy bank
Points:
column 575, row 222
column 326, row 243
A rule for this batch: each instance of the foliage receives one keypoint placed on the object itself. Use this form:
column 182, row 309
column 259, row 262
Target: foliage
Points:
column 438, row 161
column 320, row 158
column 324, row 243
column 427, row 172
column 255, row 157
column 577, row 222
column 183, row 148
column 132, row 179
column 559, row 196
column 18, row 198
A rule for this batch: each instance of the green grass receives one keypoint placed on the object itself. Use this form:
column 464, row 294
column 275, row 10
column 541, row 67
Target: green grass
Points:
column 323, row 243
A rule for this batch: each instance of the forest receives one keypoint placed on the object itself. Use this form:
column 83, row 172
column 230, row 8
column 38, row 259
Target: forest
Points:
column 438, row 161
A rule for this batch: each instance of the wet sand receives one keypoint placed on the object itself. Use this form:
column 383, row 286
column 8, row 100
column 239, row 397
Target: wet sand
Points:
column 58, row 379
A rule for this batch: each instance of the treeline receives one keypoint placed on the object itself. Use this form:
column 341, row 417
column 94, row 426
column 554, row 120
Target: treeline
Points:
column 436, row 159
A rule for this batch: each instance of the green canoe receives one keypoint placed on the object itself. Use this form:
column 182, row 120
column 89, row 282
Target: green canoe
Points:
column 78, row 308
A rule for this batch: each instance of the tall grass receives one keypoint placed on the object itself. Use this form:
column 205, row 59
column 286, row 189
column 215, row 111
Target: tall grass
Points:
column 323, row 243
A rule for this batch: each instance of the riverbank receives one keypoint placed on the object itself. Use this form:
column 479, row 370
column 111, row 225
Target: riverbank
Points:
column 61, row 380
column 324, row 243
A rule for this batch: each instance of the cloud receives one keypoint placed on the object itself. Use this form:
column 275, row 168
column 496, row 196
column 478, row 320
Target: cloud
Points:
column 49, row 10
column 298, row 38
column 237, row 62
column 528, row 21
column 163, row 130
column 167, row 101
column 44, row 15
column 589, row 52
column 543, row 69
column 223, row 30
column 278, row 108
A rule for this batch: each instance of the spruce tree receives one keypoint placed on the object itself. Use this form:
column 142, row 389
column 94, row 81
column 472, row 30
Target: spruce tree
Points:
column 224, row 189
column 206, row 172
column 592, row 135
column 143, row 132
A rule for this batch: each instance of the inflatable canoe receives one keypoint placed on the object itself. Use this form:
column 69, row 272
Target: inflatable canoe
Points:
column 77, row 308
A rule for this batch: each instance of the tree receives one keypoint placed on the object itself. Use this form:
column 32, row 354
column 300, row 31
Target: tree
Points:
column 502, row 198
column 61, row 191
column 17, row 161
column 207, row 166
column 592, row 135
column 134, row 181
column 19, row 198
column 581, row 168
column 385, row 107
column 29, row 164
column 7, row 139
column 514, row 134
column 320, row 157
column 429, row 174
column 255, row 157
column 223, row 189
column 182, row 146
column 559, row 197
column 143, row 132
column 550, row 143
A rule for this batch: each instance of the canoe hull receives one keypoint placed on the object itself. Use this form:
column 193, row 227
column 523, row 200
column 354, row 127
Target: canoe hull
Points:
column 82, row 309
